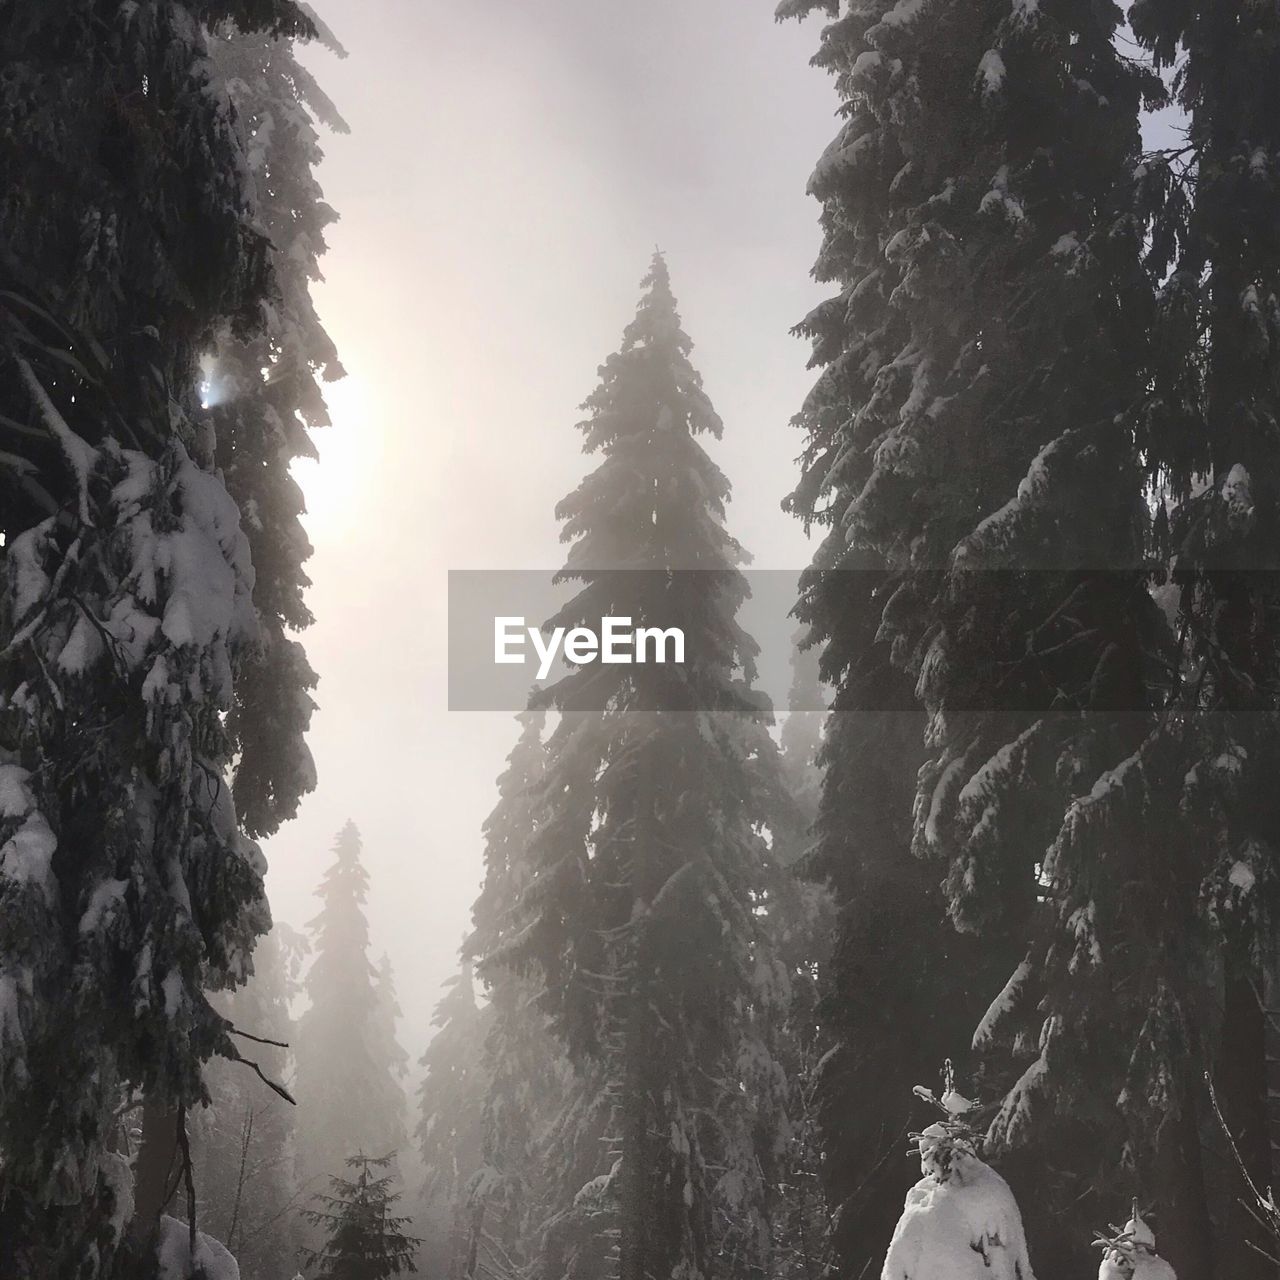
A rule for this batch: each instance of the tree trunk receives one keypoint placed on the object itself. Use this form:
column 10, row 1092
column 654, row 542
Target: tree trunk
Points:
column 473, row 1241
column 635, row 1210
column 640, row 1227
column 1241, row 1085
column 1271, row 1041
column 154, row 1179
column 1183, row 1228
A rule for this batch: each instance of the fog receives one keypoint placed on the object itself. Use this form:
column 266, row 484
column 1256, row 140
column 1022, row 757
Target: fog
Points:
column 510, row 168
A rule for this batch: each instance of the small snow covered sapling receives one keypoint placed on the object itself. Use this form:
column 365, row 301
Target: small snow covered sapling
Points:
column 952, row 1134
column 960, row 1221
column 1129, row 1252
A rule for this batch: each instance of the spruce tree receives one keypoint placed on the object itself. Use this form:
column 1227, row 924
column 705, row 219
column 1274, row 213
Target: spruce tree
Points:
column 1177, row 840
column 243, row 1147
column 1213, row 450
column 652, row 855
column 450, row 1131
column 348, row 1090
column 1129, row 1253
column 263, row 391
column 385, row 1047
column 364, row 1238
column 524, row 1070
column 982, row 374
column 125, row 616
column 960, row 1221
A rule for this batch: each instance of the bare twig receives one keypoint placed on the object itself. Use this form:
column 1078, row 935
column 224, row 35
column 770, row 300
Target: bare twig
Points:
column 246, row 1139
column 1263, row 1210
column 271, row 1084
column 184, row 1145
column 245, row 1035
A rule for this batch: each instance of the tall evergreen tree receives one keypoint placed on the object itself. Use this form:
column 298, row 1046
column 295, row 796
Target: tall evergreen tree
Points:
column 348, row 1090
column 525, row 1073
column 261, row 420
column 652, row 856
column 385, row 1046
column 127, row 885
column 1178, row 840
column 243, row 1147
column 450, row 1132
column 983, row 367
column 364, row 1239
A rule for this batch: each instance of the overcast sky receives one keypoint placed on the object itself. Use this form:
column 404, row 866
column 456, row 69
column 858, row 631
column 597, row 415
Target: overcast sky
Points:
column 511, row 166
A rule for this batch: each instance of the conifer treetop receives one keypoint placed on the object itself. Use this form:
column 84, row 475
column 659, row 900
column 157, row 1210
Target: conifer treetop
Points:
column 655, row 503
column 656, row 500
column 344, row 890
column 349, row 1063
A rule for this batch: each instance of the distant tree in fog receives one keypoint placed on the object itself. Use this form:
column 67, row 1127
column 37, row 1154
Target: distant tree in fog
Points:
column 506, row 1203
column 384, row 1042
column 450, row 1130
column 348, row 1078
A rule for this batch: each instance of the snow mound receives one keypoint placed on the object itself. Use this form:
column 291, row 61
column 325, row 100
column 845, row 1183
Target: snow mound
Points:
column 173, row 1251
column 961, row 1226
column 1143, row 1268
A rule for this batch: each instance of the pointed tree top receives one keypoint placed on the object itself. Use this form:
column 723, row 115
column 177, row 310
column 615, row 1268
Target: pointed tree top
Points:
column 657, row 322
column 346, row 881
column 347, row 846
column 659, row 277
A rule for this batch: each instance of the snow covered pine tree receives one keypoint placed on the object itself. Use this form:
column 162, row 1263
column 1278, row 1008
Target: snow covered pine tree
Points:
column 512, row 1194
column 243, row 1148
column 960, row 1221
column 450, row 1133
column 971, row 449
column 1129, row 1253
column 1178, row 838
column 364, row 1239
column 652, row 857
column 261, row 422
column 127, row 885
